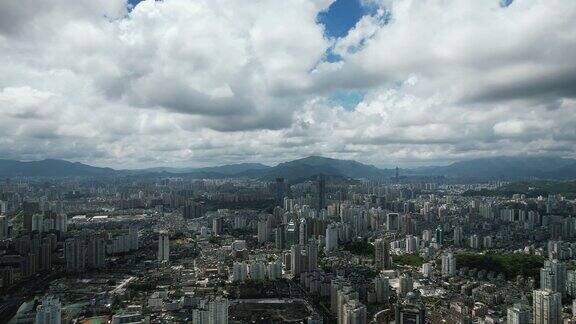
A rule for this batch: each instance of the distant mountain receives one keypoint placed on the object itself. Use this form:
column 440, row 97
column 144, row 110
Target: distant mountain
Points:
column 51, row 168
column 309, row 167
column 497, row 168
column 232, row 169
column 505, row 167
column 224, row 170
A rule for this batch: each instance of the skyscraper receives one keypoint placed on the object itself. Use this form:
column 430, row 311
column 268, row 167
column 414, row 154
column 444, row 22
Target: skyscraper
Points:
column 393, row 222
column 439, row 235
column 163, row 247
column 331, row 238
column 382, row 254
column 547, row 306
column 75, row 254
column 218, row 226
column 312, row 254
column 61, row 223
column 382, row 288
column 296, row 259
column 321, row 192
column 458, row 236
column 280, row 191
column 3, row 227
column 553, row 276
column 96, row 252
column 448, row 264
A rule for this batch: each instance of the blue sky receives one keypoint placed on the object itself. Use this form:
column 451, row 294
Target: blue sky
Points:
column 340, row 17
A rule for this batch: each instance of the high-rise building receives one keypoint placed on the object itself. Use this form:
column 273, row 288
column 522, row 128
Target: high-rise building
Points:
column 75, row 254
column 393, row 221
column 410, row 310
column 303, row 232
column 192, row 209
column 61, row 223
column 345, row 294
column 519, row 313
column 382, row 258
column 405, row 285
column 239, row 271
column 49, row 312
column 382, row 288
column 331, row 238
column 263, row 231
column 296, row 259
column 448, row 264
column 218, row 226
column 547, row 307
column 354, row 312
column 321, row 192
column 458, row 236
column 38, row 223
column 163, row 247
column 312, row 254
column 411, row 244
column 218, row 310
column 46, row 255
column 553, row 276
column 3, row 227
column 439, row 235
column 475, row 241
column 133, row 236
column 280, row 191
column 280, row 237
column 487, row 242
column 96, row 252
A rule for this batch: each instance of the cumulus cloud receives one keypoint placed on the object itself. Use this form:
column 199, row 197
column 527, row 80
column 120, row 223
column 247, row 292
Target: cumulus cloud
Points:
column 216, row 81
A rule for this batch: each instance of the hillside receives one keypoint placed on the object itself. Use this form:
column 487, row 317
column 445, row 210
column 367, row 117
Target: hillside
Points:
column 51, row 168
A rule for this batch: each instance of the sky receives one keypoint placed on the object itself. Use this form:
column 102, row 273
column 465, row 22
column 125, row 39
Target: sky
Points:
column 209, row 82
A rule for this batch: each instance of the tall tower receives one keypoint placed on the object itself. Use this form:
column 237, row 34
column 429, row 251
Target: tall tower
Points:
column 163, row 247
column 296, row 259
column 321, row 191
column 280, row 191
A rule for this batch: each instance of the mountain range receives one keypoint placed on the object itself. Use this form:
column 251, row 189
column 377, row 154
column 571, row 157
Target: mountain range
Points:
column 503, row 168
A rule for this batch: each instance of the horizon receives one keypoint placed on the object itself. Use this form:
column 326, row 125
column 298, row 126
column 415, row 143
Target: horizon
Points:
column 200, row 83
column 389, row 167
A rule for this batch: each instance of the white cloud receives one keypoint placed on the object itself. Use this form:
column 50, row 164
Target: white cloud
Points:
column 215, row 81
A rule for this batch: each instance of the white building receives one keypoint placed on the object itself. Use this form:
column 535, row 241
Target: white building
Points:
column 448, row 264
column 547, row 306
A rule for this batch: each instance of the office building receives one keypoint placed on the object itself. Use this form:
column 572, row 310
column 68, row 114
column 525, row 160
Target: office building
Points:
column 163, row 247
